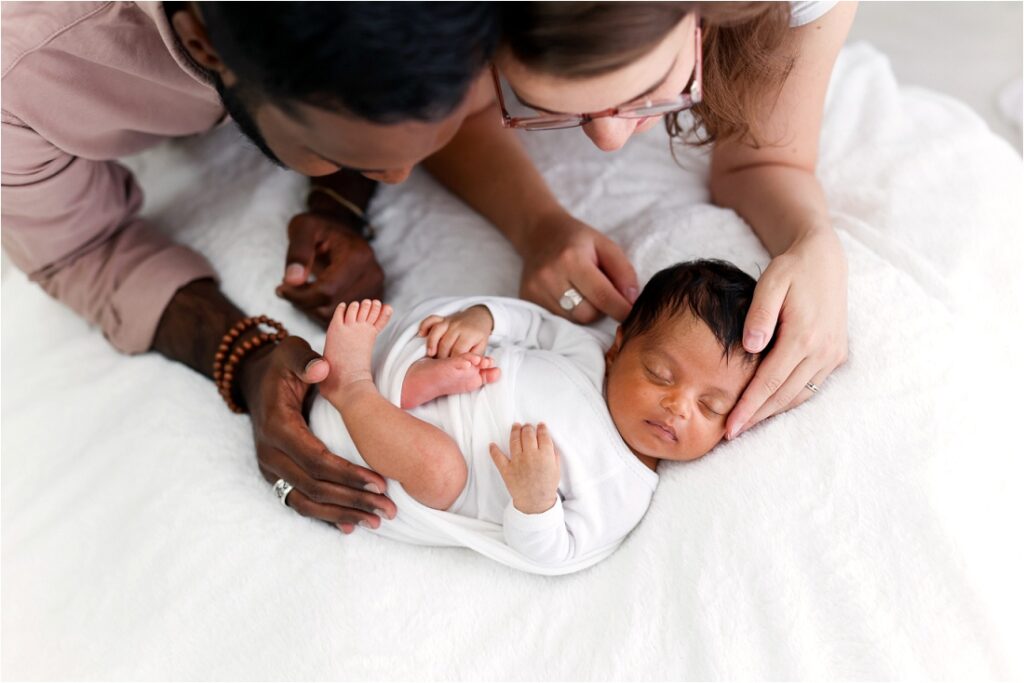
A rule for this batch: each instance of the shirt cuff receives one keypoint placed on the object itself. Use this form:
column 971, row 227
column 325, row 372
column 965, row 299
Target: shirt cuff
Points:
column 552, row 517
column 139, row 302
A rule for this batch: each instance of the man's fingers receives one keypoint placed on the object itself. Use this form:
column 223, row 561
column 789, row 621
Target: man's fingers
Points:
column 307, row 507
column 763, row 315
column 773, row 372
column 303, row 235
column 613, row 261
column 307, row 297
column 302, row 361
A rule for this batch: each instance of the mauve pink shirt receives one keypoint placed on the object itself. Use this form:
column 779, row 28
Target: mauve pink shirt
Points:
column 85, row 83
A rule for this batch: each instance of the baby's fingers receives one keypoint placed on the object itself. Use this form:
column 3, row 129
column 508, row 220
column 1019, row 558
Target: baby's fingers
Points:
column 515, row 441
column 544, row 438
column 428, row 323
column 435, row 336
column 499, row 458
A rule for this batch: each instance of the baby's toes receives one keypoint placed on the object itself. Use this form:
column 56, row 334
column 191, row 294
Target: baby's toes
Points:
column 486, row 362
column 384, row 317
column 364, row 310
column 490, row 375
column 351, row 311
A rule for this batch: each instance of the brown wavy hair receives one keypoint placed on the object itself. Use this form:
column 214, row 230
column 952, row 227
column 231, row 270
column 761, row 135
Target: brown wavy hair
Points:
column 746, row 53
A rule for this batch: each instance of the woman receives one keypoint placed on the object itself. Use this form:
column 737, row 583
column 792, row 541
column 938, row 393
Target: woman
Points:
column 758, row 101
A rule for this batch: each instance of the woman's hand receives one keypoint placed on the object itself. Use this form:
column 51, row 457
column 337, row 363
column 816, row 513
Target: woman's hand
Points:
column 328, row 262
column 563, row 253
column 801, row 298
column 274, row 386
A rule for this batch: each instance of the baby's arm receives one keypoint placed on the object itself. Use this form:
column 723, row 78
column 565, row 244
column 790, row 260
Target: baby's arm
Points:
column 550, row 530
column 421, row 457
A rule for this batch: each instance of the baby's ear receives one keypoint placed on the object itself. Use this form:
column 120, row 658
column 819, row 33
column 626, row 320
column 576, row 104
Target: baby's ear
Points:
column 613, row 351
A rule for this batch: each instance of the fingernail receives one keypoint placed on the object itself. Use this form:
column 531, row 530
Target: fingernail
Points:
column 380, row 513
column 312, row 364
column 278, row 291
column 294, row 273
column 631, row 294
column 754, row 341
column 365, row 524
column 373, row 488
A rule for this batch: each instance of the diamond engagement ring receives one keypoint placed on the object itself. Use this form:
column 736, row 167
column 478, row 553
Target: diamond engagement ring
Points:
column 812, row 387
column 570, row 299
column 281, row 490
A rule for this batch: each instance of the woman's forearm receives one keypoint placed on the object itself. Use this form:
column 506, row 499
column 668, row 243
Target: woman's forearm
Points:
column 782, row 204
column 486, row 166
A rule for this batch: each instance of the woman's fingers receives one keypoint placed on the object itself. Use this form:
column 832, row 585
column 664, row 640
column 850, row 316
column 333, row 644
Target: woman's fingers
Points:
column 793, row 392
column 769, row 296
column 598, row 291
column 773, row 372
column 612, row 260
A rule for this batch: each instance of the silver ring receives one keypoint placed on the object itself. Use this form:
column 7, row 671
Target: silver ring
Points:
column 281, row 490
column 570, row 299
column 812, row 387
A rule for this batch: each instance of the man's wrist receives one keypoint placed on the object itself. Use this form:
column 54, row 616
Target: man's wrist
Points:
column 193, row 324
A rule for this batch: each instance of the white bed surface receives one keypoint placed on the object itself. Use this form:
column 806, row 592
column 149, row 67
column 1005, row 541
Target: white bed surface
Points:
column 873, row 533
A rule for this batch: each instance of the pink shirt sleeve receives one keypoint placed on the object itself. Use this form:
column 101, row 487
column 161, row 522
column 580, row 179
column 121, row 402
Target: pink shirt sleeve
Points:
column 84, row 84
column 70, row 224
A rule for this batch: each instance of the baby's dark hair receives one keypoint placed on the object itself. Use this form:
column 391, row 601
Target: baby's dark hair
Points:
column 713, row 291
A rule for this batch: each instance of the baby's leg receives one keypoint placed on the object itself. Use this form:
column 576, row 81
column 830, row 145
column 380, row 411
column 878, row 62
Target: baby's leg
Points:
column 430, row 378
column 422, row 458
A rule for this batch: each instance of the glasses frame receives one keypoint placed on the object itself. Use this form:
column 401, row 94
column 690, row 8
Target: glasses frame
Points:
column 685, row 100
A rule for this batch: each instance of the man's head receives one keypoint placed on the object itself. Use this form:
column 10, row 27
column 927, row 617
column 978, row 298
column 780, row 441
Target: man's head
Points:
column 678, row 366
column 370, row 86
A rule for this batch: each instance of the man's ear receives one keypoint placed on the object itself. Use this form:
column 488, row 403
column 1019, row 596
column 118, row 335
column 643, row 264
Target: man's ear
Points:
column 613, row 351
column 192, row 33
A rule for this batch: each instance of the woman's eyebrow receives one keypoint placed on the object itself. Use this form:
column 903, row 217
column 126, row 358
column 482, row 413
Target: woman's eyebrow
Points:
column 645, row 93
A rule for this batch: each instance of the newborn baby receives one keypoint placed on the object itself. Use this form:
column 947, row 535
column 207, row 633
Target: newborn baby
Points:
column 586, row 418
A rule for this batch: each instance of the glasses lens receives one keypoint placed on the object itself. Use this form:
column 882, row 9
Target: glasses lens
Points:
column 656, row 109
column 549, row 124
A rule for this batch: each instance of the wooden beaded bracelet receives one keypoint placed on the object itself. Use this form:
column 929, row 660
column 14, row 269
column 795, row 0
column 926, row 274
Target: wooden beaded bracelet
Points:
column 229, row 355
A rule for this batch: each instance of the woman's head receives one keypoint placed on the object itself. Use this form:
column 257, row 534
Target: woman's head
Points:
column 585, row 57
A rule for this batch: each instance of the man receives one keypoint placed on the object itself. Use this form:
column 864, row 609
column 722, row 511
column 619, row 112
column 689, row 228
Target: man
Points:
column 341, row 92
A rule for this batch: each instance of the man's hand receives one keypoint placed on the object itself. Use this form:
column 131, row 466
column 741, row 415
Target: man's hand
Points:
column 328, row 262
column 274, row 386
column 463, row 332
column 532, row 470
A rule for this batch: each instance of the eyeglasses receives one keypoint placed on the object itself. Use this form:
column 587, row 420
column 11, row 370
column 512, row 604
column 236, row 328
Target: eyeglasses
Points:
column 640, row 110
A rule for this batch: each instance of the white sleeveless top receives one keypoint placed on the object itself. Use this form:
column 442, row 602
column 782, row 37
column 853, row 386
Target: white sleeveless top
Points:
column 802, row 13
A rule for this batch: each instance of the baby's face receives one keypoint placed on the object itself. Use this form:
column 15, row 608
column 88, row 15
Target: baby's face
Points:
column 670, row 389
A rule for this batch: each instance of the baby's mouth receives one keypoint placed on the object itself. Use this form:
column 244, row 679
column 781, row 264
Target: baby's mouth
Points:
column 663, row 431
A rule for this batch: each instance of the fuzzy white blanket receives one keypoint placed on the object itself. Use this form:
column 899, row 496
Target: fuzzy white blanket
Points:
column 868, row 534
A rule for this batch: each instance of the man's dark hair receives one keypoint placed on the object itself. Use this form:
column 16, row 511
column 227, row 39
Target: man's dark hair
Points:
column 385, row 62
column 713, row 291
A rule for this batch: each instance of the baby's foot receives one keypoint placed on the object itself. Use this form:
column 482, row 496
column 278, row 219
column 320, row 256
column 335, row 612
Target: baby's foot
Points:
column 349, row 344
column 430, row 378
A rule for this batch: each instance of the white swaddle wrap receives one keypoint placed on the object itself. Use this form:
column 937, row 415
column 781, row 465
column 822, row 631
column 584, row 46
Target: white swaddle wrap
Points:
column 552, row 370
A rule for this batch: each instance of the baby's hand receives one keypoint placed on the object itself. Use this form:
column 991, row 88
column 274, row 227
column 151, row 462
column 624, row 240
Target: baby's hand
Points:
column 463, row 332
column 532, row 472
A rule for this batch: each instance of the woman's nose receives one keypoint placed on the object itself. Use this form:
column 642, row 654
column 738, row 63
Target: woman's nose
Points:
column 608, row 133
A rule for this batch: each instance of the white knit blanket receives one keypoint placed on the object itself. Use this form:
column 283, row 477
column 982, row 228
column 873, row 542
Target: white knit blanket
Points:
column 872, row 533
